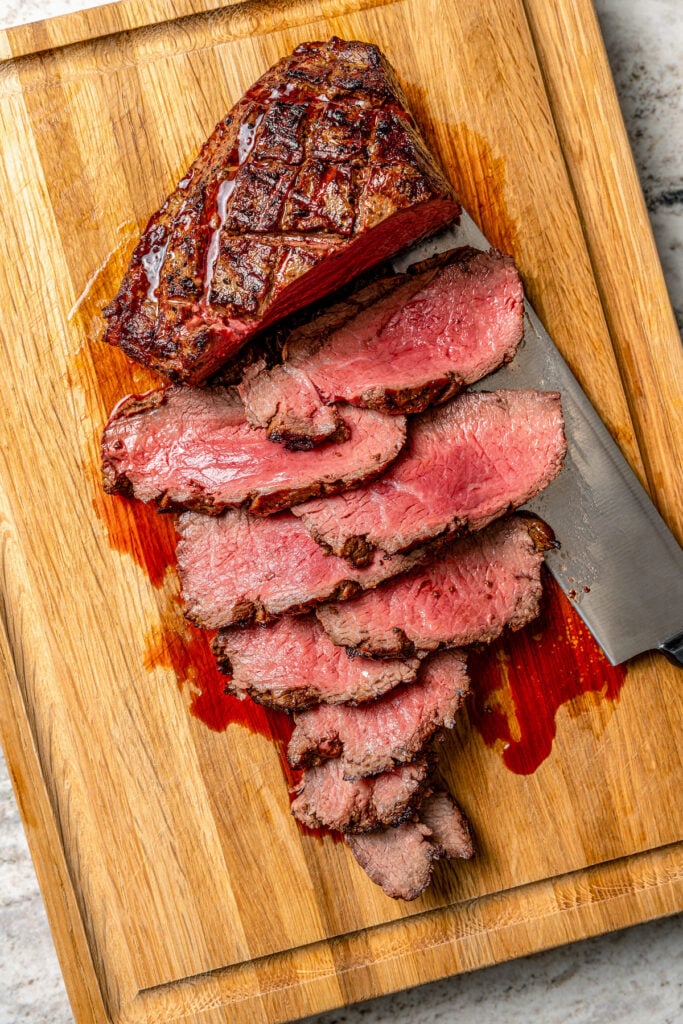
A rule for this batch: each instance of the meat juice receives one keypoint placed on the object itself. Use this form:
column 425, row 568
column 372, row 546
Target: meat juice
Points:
column 549, row 663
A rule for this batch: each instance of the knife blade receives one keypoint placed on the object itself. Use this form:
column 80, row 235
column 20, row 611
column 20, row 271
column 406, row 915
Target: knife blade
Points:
column 617, row 561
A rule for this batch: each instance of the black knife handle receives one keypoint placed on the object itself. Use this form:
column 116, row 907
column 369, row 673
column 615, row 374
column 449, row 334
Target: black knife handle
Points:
column 673, row 649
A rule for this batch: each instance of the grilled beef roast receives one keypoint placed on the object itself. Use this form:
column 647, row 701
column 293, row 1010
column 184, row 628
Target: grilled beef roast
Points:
column 193, row 448
column 316, row 174
column 237, row 568
column 401, row 860
column 396, row 346
column 325, row 799
column 293, row 664
column 475, row 588
column 464, row 465
column 389, row 731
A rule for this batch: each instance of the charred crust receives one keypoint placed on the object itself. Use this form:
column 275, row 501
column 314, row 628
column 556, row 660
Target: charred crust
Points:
column 115, row 483
column 541, row 534
column 401, row 647
column 294, row 442
column 358, row 551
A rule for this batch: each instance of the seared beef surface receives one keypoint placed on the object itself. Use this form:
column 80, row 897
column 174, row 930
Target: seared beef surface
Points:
column 239, row 568
column 401, row 860
column 325, row 799
column 317, row 173
column 293, row 664
column 397, row 345
column 475, row 588
column 193, row 448
column 466, row 463
column 386, row 732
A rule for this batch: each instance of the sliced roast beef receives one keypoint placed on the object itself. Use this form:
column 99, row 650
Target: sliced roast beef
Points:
column 316, row 174
column 285, row 402
column 193, row 448
column 401, row 860
column 389, row 731
column 451, row 833
column 325, row 799
column 476, row 587
column 465, row 464
column 446, row 323
column 237, row 568
column 293, row 664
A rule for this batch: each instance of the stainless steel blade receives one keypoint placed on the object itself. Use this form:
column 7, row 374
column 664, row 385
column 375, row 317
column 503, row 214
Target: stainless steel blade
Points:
column 617, row 561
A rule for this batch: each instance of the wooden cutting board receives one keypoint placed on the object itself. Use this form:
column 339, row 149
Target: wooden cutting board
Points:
column 176, row 881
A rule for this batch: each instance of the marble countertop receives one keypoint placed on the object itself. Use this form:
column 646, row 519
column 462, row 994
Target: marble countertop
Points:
column 628, row 977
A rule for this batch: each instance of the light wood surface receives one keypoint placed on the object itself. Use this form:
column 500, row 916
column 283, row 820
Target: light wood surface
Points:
column 176, row 882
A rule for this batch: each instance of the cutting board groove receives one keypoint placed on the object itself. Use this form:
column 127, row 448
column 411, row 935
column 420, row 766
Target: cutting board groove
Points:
column 176, row 883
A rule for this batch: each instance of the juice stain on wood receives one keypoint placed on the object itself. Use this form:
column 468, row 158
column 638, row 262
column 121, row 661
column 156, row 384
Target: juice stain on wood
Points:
column 139, row 531
column 520, row 682
column 186, row 650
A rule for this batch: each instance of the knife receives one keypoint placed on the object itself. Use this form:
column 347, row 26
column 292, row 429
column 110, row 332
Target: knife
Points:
column 617, row 561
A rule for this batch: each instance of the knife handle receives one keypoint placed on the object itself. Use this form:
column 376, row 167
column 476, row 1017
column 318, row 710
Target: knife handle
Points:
column 673, row 649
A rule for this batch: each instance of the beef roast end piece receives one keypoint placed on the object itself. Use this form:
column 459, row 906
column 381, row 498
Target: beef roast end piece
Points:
column 451, row 832
column 316, row 174
column 401, row 860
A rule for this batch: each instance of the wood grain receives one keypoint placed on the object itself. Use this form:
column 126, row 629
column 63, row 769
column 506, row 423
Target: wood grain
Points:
column 175, row 879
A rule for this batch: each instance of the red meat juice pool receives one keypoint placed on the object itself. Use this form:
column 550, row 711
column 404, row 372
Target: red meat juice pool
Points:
column 551, row 662
column 140, row 531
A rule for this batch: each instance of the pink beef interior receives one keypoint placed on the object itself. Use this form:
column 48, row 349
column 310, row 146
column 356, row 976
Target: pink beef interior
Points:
column 392, row 730
column 459, row 321
column 464, row 465
column 466, row 594
column 293, row 664
column 187, row 448
column 240, row 568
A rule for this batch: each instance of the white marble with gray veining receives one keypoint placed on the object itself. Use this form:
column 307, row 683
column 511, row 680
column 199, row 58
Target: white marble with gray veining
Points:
column 629, row 977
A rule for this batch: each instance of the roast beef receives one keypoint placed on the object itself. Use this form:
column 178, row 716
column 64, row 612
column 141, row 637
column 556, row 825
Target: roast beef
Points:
column 325, row 799
column 237, row 568
column 317, row 173
column 448, row 322
column 293, row 664
column 401, row 860
column 465, row 464
column 475, row 588
column 285, row 403
column 193, row 448
column 451, row 833
column 386, row 732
